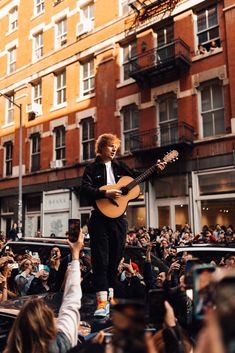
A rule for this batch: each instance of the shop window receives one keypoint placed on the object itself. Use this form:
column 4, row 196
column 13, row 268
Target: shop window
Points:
column 88, row 139
column 218, row 183
column 212, row 109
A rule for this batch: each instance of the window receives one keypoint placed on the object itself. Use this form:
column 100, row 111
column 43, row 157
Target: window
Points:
column 124, row 7
column 8, row 158
column 38, row 46
column 10, row 109
column 13, row 19
column 131, row 128
column 88, row 13
column 129, row 59
column 12, row 60
column 35, row 152
column 212, row 109
column 59, row 134
column 208, row 27
column 88, row 78
column 86, row 23
column 168, row 119
column 165, row 43
column 61, row 33
column 61, row 88
column 39, row 6
column 88, row 139
column 37, row 92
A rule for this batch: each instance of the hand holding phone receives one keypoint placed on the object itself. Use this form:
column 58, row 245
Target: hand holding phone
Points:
column 156, row 306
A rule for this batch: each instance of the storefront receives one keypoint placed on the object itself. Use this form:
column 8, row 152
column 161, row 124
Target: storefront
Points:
column 213, row 197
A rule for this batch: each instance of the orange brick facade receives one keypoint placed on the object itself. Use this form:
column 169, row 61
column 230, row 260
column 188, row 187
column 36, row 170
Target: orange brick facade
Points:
column 153, row 84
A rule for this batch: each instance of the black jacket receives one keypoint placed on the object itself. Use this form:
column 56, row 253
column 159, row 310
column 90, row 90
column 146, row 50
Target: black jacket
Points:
column 95, row 176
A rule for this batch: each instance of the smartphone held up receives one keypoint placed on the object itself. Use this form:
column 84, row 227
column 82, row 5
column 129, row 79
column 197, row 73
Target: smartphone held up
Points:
column 74, row 227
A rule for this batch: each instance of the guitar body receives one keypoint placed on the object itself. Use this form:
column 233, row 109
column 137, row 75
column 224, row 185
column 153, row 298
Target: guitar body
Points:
column 111, row 210
column 114, row 208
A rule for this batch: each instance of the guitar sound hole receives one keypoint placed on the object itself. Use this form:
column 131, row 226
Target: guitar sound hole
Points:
column 124, row 190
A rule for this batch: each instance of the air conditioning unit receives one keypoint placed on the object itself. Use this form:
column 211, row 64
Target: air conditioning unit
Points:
column 58, row 163
column 34, row 108
column 84, row 27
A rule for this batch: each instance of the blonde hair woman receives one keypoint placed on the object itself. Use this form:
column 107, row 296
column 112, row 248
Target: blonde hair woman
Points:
column 35, row 329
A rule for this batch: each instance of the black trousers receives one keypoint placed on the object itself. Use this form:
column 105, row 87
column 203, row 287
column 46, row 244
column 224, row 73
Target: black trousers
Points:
column 107, row 239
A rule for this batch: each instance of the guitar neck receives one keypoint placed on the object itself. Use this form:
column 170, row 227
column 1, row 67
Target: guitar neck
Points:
column 141, row 177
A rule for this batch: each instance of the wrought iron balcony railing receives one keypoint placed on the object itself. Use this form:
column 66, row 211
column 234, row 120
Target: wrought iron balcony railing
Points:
column 166, row 135
column 175, row 55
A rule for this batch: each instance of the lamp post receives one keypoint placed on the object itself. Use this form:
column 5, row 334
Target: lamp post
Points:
column 19, row 223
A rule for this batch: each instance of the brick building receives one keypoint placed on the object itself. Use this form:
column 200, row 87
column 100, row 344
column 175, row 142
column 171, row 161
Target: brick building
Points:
column 80, row 68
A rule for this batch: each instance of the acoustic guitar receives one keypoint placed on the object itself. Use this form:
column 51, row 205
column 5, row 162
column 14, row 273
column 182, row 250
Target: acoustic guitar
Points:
column 114, row 208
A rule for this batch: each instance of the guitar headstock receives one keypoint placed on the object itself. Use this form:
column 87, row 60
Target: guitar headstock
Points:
column 171, row 156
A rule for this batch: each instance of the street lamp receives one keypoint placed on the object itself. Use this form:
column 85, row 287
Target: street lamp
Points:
column 19, row 223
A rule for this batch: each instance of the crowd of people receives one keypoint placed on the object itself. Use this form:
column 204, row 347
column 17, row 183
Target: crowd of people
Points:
column 25, row 275
column 166, row 237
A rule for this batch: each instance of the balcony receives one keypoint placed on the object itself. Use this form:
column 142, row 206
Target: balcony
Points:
column 168, row 134
column 161, row 64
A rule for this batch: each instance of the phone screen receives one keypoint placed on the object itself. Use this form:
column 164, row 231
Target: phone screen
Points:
column 74, row 229
column 203, row 290
column 188, row 275
column 156, row 306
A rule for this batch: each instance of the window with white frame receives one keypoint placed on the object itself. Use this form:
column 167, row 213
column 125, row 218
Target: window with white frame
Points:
column 168, row 119
column 88, row 139
column 8, row 146
column 60, row 94
column 61, row 32
column 37, row 92
column 88, row 78
column 39, row 6
column 212, row 109
column 35, row 152
column 9, row 109
column 13, row 19
column 130, row 128
column 124, row 7
column 12, row 60
column 208, row 27
column 59, row 139
column 88, row 13
column 38, row 46
column 129, row 59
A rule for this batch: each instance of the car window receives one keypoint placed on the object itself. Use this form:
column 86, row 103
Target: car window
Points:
column 207, row 255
